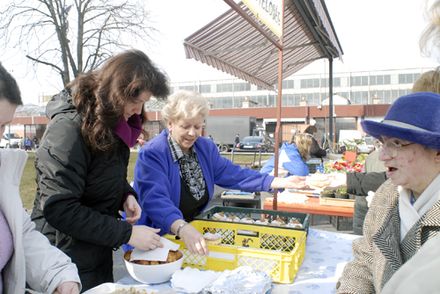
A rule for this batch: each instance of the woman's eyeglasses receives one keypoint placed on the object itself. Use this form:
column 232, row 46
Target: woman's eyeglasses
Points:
column 391, row 147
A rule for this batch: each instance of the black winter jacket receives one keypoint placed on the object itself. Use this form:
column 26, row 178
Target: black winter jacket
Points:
column 80, row 193
column 360, row 183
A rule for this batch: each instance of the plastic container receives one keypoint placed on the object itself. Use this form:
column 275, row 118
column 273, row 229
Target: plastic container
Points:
column 278, row 251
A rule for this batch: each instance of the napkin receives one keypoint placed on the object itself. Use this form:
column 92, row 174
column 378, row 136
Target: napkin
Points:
column 289, row 197
column 192, row 280
column 159, row 254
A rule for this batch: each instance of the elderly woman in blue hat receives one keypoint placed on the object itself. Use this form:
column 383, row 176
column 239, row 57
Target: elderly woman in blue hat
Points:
column 404, row 216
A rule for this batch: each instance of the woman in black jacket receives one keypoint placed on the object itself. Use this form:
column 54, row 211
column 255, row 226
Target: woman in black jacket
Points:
column 82, row 164
column 315, row 149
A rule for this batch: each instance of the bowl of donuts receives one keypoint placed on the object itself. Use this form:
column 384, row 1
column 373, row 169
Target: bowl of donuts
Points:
column 152, row 271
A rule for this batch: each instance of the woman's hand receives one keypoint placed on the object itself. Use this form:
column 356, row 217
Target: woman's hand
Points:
column 338, row 179
column 193, row 240
column 132, row 210
column 292, row 182
column 67, row 288
column 145, row 238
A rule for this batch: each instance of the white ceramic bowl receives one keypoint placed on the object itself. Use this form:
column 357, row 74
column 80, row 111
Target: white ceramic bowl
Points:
column 153, row 274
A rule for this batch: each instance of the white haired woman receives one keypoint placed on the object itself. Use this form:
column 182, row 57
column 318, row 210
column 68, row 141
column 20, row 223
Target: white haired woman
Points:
column 175, row 172
column 404, row 216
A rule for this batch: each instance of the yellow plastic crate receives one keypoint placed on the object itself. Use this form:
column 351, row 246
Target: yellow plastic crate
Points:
column 277, row 251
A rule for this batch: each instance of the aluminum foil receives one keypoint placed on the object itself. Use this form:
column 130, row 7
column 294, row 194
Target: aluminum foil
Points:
column 243, row 280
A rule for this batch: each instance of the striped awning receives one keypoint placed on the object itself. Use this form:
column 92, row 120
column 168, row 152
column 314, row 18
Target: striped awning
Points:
column 231, row 44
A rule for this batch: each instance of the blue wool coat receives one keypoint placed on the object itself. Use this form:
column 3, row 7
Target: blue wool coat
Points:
column 157, row 179
column 295, row 166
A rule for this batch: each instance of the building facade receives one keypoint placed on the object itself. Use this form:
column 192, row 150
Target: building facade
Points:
column 357, row 95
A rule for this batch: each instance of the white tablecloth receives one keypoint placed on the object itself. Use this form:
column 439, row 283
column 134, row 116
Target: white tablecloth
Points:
column 326, row 255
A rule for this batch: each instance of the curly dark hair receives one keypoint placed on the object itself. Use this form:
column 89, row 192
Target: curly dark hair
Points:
column 100, row 96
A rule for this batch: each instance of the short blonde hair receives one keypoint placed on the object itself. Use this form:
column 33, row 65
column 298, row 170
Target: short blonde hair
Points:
column 428, row 82
column 303, row 142
column 185, row 104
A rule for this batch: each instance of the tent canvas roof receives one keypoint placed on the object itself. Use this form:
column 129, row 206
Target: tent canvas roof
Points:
column 231, row 44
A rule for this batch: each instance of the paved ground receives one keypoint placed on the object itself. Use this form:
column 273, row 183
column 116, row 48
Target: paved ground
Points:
column 319, row 222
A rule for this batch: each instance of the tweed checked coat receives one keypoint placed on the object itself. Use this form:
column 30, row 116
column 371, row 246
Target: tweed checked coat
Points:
column 380, row 253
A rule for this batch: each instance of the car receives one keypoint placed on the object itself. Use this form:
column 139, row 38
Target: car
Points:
column 256, row 143
column 10, row 140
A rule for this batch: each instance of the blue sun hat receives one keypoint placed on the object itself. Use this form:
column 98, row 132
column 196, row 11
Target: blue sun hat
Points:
column 414, row 117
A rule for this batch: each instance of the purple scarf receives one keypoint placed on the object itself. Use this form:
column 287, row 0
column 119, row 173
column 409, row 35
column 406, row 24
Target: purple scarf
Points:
column 129, row 130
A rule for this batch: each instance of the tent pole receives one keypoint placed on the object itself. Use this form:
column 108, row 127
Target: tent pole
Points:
column 279, row 105
column 330, row 104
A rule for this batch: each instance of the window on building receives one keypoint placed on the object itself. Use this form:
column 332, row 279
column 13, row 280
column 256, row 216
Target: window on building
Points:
column 238, row 87
column 359, row 81
column 224, row 88
column 408, row 78
column 205, row 88
column 380, row 80
column 309, row 83
column 188, row 88
column 288, row 84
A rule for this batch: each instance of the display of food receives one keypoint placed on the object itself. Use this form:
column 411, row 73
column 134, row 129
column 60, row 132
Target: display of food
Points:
column 318, row 181
column 153, row 272
column 294, row 223
column 275, row 220
column 247, row 220
column 262, row 221
column 220, row 216
column 212, row 238
column 278, row 222
column 172, row 257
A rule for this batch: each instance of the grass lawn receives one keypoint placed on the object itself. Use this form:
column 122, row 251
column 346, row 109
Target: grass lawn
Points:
column 28, row 185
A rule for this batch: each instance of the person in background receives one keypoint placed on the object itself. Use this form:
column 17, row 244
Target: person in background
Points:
column 35, row 142
column 27, row 144
column 175, row 172
column 428, row 81
column 237, row 141
column 27, row 260
column 292, row 157
column 373, row 163
column 315, row 149
column 82, row 164
column 404, row 213
column 142, row 138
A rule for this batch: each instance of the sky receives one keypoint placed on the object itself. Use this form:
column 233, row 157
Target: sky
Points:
column 374, row 35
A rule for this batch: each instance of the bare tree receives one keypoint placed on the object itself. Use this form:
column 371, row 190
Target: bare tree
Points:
column 73, row 36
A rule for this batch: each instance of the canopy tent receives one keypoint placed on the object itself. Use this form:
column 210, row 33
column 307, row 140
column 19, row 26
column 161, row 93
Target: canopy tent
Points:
column 239, row 44
column 233, row 45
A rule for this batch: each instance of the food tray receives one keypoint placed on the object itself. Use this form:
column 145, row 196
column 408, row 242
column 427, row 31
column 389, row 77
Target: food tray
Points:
column 237, row 195
column 278, row 251
column 242, row 215
column 336, row 202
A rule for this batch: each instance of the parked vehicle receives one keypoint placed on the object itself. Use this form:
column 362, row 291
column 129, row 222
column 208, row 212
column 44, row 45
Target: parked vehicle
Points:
column 10, row 140
column 367, row 145
column 256, row 143
column 223, row 129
